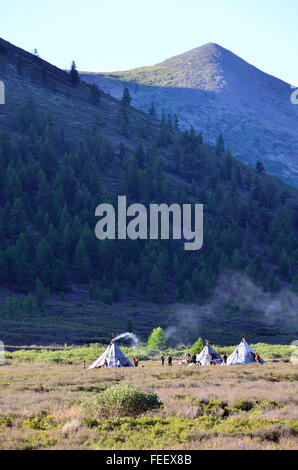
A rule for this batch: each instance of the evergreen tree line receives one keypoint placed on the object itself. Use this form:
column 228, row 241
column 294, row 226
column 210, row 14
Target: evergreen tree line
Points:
column 50, row 188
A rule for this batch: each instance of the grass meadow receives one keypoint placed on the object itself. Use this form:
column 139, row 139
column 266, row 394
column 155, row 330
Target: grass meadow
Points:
column 42, row 393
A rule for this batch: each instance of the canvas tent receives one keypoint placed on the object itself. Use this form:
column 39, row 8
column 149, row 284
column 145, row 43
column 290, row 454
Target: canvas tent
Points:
column 243, row 354
column 110, row 357
column 207, row 355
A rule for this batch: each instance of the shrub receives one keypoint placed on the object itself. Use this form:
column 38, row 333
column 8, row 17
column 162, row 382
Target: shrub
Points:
column 42, row 421
column 242, row 404
column 120, row 401
column 5, row 422
column 274, row 432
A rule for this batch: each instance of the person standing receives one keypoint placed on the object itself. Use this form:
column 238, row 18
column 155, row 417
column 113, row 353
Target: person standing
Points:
column 258, row 359
column 162, row 359
column 170, row 360
column 84, row 365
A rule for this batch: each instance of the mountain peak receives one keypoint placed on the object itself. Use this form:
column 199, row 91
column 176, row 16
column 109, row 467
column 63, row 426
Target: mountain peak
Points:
column 217, row 91
column 211, row 46
column 209, row 50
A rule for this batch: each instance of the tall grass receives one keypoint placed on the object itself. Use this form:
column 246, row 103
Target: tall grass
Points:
column 203, row 407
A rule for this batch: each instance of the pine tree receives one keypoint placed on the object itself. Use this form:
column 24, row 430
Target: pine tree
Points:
column 82, row 266
column 275, row 286
column 124, row 104
column 220, row 147
column 94, row 94
column 260, row 168
column 121, row 153
column 116, row 291
column 17, row 219
column 152, row 111
column 129, row 326
column 285, row 265
column 140, row 156
column 124, row 124
column 126, row 99
column 28, row 304
column 74, row 76
column 41, row 294
column 236, row 259
column 156, row 285
column 176, row 122
column 188, row 293
column 59, row 277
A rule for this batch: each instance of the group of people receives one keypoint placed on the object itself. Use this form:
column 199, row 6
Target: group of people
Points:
column 189, row 360
column 216, row 359
column 162, row 360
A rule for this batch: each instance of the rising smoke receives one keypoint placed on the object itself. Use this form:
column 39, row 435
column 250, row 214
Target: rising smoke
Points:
column 128, row 336
column 275, row 309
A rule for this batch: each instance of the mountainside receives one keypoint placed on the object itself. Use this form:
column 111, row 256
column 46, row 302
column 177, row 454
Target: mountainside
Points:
column 65, row 147
column 219, row 93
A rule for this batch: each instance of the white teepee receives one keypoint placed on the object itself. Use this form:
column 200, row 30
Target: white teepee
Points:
column 207, row 355
column 112, row 357
column 243, row 354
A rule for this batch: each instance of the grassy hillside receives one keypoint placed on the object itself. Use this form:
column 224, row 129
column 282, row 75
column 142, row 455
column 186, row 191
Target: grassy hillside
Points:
column 65, row 147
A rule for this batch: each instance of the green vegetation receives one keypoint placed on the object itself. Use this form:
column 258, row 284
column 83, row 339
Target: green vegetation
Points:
column 197, row 347
column 121, row 400
column 42, row 194
column 94, row 95
column 75, row 355
column 62, row 152
column 41, row 421
column 74, row 76
column 84, row 317
column 145, row 433
column 150, row 407
column 157, row 340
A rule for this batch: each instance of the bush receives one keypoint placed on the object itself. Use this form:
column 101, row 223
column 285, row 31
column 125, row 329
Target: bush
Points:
column 242, row 404
column 42, row 421
column 120, row 401
column 274, row 432
column 5, row 422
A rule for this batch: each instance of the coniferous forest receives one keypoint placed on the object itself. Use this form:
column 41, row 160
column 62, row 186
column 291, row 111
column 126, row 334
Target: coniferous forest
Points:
column 52, row 181
column 48, row 204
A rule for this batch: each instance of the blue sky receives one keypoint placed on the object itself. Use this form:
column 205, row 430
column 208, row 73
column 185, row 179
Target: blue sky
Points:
column 110, row 35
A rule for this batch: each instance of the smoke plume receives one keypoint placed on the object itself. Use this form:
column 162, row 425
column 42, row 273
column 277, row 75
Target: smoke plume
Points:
column 128, row 336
